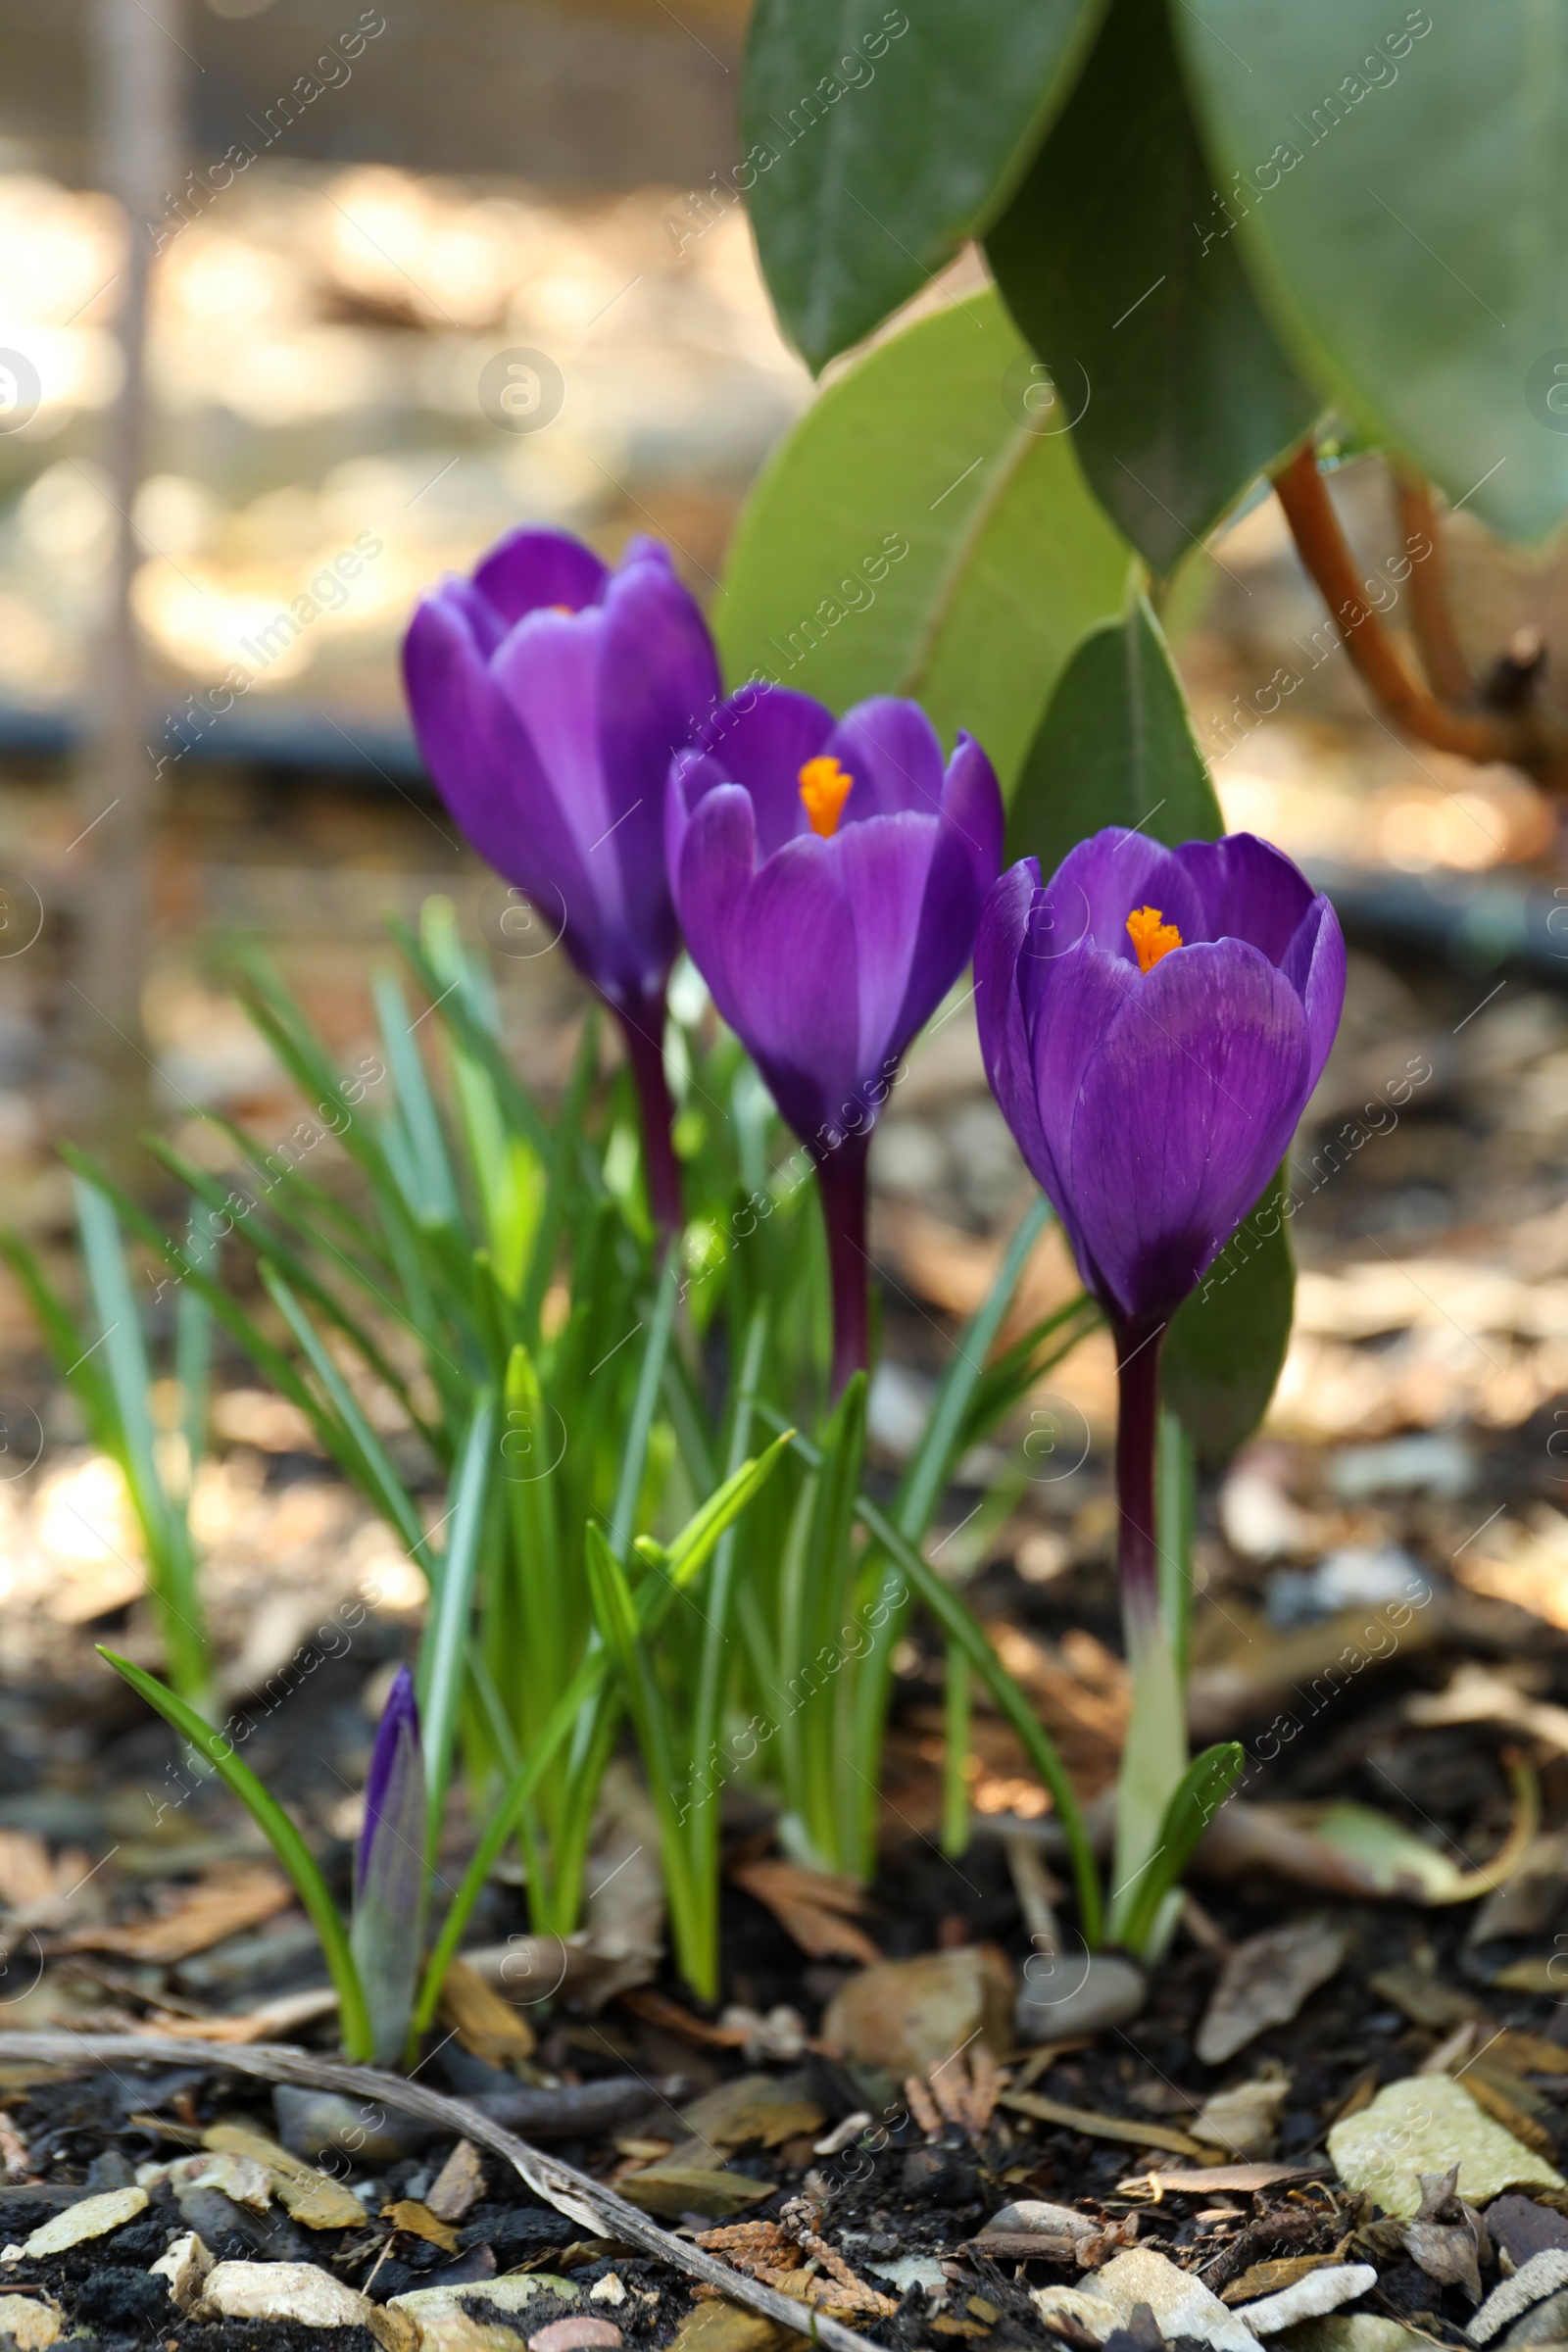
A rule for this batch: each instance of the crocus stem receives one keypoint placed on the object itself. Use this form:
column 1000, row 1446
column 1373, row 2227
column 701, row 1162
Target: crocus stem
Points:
column 1156, row 1755
column 841, row 1176
column 643, row 1029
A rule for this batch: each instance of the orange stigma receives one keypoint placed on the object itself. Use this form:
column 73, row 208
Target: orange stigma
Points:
column 1152, row 936
column 824, row 787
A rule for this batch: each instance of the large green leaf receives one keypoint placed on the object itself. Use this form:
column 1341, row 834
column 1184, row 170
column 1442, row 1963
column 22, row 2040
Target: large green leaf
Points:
column 918, row 533
column 877, row 141
column 1181, row 393
column 1226, row 1343
column 1116, row 748
column 1397, row 178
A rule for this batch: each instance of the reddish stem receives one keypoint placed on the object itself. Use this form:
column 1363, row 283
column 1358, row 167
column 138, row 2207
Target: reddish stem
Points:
column 643, row 1030
column 1139, row 1343
column 841, row 1176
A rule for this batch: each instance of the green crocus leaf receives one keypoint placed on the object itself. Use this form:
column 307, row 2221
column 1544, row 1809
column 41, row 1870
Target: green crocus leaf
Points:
column 879, row 139
column 1226, row 1345
column 1116, row 748
column 1115, row 265
column 923, row 531
column 1396, row 179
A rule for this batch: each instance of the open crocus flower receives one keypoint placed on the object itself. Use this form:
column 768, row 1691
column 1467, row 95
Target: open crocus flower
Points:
column 548, row 694
column 389, row 1871
column 829, row 875
column 1153, row 1023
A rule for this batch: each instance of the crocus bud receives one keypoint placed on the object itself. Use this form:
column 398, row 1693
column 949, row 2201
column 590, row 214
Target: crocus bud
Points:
column 389, row 1872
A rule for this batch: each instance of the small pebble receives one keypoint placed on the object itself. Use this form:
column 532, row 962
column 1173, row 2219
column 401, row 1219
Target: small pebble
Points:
column 30, row 2321
column 608, row 2289
column 574, row 2334
column 284, row 2290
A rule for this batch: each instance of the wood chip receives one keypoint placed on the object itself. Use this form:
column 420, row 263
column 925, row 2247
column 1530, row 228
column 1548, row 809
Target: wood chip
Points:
column 459, row 2183
column 1216, row 2179
column 486, row 2026
column 234, row 1898
column 816, row 1910
column 1100, row 2126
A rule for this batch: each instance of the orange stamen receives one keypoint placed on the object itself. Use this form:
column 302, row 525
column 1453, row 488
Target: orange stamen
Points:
column 1152, row 936
column 824, row 787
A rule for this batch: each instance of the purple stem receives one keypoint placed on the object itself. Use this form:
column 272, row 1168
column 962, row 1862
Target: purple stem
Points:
column 1139, row 1343
column 841, row 1176
column 643, row 1029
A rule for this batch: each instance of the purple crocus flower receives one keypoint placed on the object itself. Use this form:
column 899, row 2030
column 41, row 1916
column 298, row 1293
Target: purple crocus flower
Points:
column 548, row 694
column 389, row 1871
column 828, row 875
column 1153, row 1023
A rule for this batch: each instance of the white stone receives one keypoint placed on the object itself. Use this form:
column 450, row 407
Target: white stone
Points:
column 1182, row 2304
column 243, row 2179
column 30, row 2321
column 914, row 2269
column 1426, row 2124
column 1357, row 2332
column 94, row 2217
column 608, row 2289
column 1071, row 2303
column 1242, row 2119
column 1532, row 2282
column 284, row 2290
column 1312, row 2297
column 1033, row 2216
column 184, row 2264
column 505, row 2294
column 1061, row 1996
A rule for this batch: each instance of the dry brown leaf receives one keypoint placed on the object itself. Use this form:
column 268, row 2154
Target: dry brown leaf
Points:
column 811, row 1906
column 414, row 2216
column 459, row 2183
column 273, row 2021
column 1101, row 2127
column 485, row 2024
column 234, row 1898
column 656, row 2009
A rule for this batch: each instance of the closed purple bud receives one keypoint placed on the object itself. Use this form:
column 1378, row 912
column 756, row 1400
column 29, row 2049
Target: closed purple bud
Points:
column 389, row 1871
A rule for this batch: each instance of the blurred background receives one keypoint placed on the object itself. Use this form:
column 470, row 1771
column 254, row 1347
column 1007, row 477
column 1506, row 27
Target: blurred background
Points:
column 301, row 307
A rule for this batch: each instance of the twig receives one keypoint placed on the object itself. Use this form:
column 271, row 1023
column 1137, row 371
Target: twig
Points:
column 1530, row 740
column 1441, row 654
column 571, row 2192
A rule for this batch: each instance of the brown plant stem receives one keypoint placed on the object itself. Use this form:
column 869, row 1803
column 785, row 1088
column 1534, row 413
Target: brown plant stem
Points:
column 1530, row 739
column 841, row 1179
column 1443, row 657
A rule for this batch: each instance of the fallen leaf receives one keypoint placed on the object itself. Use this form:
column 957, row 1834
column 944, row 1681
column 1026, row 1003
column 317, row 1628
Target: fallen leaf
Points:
column 1423, row 2125
column 912, row 2015
column 310, row 2197
column 656, row 2009
column 720, row 2327
column 1264, row 1982
column 485, row 2024
column 1242, row 2119
column 1100, row 2126
column 813, row 1908
column 767, row 2108
column 1507, row 2102
column 235, row 1897
column 414, row 2216
column 1214, row 2180
column 679, row 2185
column 459, row 2184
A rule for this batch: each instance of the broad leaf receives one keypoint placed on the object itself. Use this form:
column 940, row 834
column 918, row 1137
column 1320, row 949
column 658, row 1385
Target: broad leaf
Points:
column 918, row 533
column 1116, row 748
column 1409, row 238
column 878, row 140
column 1203, row 1788
column 1226, row 1343
column 1121, row 278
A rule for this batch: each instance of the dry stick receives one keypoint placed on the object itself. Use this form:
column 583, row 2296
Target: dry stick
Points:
column 571, row 2192
column 1528, row 739
column 1441, row 654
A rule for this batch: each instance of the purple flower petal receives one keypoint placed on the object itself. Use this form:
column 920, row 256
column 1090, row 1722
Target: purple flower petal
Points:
column 1104, row 879
column 883, row 867
column 793, row 973
column 713, row 856
column 1182, row 1115
column 1314, row 966
column 531, row 568
column 894, row 754
column 999, row 1013
column 762, row 738
column 1248, row 891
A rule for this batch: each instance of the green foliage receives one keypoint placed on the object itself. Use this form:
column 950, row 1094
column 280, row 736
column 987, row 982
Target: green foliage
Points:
column 1398, row 195
column 876, row 144
column 1226, row 1345
column 916, row 533
column 1115, row 265
column 1116, row 748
